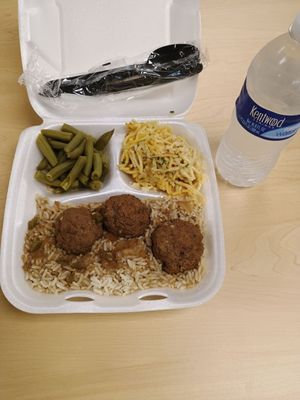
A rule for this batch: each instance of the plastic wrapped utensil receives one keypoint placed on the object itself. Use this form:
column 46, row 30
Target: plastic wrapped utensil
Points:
column 165, row 64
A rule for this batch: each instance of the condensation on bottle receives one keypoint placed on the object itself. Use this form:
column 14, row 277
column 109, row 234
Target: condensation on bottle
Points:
column 266, row 114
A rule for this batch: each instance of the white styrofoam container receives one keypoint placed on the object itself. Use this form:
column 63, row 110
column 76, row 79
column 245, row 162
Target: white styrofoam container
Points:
column 50, row 26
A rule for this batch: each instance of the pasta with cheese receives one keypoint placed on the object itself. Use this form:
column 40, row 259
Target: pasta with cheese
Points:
column 158, row 159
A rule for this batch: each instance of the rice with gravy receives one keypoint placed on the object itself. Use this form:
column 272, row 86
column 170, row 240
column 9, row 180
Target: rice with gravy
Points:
column 50, row 270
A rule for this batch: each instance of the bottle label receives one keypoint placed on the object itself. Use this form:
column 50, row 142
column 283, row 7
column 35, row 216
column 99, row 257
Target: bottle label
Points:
column 264, row 123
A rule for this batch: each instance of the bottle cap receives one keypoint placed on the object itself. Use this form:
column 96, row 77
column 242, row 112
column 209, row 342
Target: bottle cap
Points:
column 295, row 28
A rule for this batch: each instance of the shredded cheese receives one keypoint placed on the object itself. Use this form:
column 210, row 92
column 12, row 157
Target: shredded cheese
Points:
column 158, row 159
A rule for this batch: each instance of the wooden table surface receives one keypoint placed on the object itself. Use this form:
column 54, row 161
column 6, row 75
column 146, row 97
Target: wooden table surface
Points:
column 244, row 343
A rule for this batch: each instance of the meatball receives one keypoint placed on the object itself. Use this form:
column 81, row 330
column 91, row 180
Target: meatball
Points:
column 76, row 230
column 178, row 245
column 126, row 216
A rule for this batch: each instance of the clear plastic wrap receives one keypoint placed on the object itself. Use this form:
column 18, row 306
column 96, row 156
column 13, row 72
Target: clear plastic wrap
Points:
column 164, row 65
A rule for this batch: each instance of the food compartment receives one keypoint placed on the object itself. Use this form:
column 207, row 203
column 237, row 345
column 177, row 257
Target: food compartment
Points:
column 21, row 207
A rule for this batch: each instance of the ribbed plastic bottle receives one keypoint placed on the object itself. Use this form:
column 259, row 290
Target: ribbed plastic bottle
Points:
column 267, row 112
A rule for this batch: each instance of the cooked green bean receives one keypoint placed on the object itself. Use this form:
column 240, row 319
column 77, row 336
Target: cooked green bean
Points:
column 71, row 129
column 74, row 173
column 105, row 167
column 43, row 164
column 56, row 144
column 57, row 135
column 103, row 140
column 88, row 152
column 61, row 156
column 72, row 159
column 95, row 185
column 83, row 179
column 60, row 169
column 47, row 168
column 105, row 172
column 42, row 178
column 97, row 166
column 74, row 142
column 63, row 176
column 59, row 190
column 75, row 185
column 46, row 150
column 105, row 158
column 33, row 222
column 77, row 151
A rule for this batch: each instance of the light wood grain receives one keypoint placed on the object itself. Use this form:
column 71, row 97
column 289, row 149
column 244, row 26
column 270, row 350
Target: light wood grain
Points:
column 245, row 343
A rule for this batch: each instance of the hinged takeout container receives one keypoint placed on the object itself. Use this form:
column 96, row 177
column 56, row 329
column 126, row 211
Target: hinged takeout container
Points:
column 70, row 37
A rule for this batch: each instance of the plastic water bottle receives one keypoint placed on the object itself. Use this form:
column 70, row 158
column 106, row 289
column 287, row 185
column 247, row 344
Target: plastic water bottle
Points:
column 267, row 112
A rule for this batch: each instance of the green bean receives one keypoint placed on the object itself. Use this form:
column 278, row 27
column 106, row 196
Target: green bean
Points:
column 56, row 144
column 57, row 171
column 43, row 164
column 57, row 190
column 75, row 185
column 95, row 185
column 97, row 166
column 57, row 135
column 71, row 129
column 105, row 169
column 61, row 156
column 105, row 158
column 77, row 151
column 42, row 178
column 103, row 140
column 46, row 150
column 63, row 176
column 33, row 222
column 74, row 173
column 47, row 168
column 88, row 152
column 83, row 179
column 74, row 142
column 72, row 159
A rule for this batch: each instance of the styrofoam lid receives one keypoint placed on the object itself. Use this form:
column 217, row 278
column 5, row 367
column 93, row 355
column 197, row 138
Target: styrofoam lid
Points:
column 60, row 38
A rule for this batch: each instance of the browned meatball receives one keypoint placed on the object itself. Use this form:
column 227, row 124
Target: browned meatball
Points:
column 178, row 245
column 76, row 230
column 126, row 216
